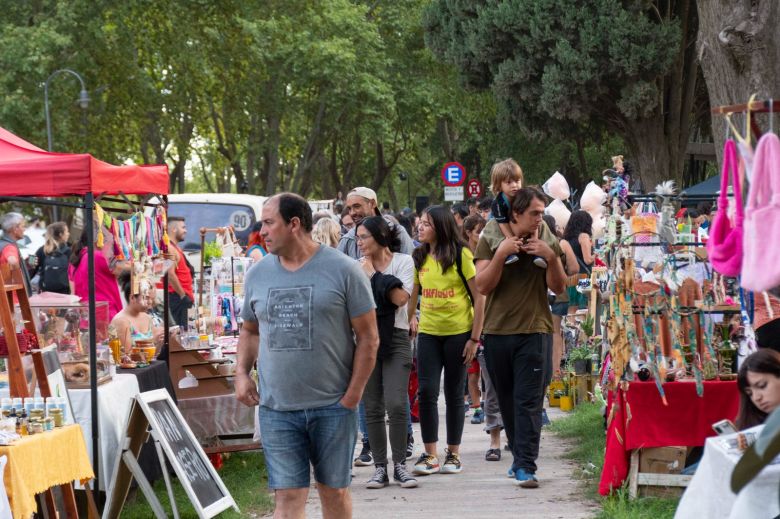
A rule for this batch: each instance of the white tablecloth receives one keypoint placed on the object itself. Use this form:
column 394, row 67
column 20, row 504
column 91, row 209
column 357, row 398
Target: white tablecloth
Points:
column 114, row 399
column 709, row 494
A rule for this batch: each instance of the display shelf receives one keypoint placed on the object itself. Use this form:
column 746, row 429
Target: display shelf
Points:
column 206, row 371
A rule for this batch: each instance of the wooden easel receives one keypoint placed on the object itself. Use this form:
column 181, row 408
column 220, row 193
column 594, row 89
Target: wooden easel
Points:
column 12, row 282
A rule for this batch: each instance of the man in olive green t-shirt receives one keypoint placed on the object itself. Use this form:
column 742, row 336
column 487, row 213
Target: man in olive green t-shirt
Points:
column 517, row 319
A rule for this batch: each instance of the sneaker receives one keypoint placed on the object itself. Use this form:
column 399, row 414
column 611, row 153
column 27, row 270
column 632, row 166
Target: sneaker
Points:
column 426, row 465
column 539, row 262
column 451, row 463
column 364, row 459
column 525, row 479
column 379, row 479
column 401, row 476
column 479, row 416
column 510, row 473
column 512, row 258
column 409, row 446
column 545, row 418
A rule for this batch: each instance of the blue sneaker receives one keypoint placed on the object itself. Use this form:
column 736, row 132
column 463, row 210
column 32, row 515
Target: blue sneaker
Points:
column 511, row 473
column 525, row 479
column 545, row 418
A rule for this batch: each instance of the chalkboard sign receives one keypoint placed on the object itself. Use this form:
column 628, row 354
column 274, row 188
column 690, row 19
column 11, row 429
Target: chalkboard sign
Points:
column 186, row 452
column 156, row 412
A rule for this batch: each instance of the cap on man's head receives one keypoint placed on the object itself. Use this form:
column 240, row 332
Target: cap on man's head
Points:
column 368, row 194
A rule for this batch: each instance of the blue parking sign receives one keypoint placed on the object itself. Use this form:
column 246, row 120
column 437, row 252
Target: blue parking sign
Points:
column 453, row 174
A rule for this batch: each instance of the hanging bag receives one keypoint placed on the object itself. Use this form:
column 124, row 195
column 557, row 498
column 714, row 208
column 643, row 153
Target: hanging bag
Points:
column 725, row 244
column 761, row 268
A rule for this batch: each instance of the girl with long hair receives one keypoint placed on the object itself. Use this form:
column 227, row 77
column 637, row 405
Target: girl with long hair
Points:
column 578, row 234
column 759, row 387
column 392, row 278
column 451, row 316
column 52, row 260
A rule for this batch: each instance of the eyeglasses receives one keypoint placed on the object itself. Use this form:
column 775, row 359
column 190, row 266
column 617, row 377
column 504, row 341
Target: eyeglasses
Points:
column 363, row 237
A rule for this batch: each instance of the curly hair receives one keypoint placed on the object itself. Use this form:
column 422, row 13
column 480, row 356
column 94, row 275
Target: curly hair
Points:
column 579, row 222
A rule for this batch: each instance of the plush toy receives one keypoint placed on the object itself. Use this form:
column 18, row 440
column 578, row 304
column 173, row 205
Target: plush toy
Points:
column 621, row 182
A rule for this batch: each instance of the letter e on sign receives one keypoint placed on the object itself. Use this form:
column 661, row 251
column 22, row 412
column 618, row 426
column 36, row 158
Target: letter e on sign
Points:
column 453, row 174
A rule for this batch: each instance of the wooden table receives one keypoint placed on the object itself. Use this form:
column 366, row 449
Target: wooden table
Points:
column 39, row 462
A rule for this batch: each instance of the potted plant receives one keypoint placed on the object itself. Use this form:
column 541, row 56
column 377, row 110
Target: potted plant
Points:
column 580, row 359
column 566, row 398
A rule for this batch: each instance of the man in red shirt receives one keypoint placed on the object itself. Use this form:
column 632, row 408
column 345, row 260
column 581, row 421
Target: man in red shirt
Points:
column 180, row 274
column 13, row 226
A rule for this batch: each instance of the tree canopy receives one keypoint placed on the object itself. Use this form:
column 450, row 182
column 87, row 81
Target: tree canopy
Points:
column 564, row 68
column 316, row 97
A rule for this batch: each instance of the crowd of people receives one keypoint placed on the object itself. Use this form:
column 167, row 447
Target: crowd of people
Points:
column 434, row 294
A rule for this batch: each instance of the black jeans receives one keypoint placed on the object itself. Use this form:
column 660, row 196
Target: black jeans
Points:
column 516, row 367
column 178, row 306
column 435, row 353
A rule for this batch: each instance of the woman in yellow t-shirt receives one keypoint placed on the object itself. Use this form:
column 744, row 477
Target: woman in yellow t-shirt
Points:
column 449, row 330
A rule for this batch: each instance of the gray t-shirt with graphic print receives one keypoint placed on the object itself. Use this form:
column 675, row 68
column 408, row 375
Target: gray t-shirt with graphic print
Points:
column 306, row 340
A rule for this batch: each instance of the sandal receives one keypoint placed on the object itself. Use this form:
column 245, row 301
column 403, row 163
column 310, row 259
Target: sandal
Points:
column 493, row 455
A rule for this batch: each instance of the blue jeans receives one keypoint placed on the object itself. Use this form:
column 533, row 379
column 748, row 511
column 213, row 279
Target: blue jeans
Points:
column 293, row 440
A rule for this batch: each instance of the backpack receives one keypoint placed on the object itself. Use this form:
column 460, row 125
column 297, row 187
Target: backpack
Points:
column 54, row 271
column 459, row 267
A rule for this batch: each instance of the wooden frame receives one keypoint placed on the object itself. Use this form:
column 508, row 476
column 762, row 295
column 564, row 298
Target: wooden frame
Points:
column 155, row 412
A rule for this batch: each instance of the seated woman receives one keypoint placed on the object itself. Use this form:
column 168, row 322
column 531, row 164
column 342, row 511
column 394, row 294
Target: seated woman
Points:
column 759, row 387
column 135, row 322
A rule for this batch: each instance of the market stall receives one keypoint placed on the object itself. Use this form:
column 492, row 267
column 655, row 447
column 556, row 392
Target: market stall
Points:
column 28, row 171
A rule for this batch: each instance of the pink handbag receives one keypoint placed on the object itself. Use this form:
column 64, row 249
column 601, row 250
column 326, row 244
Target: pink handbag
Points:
column 724, row 246
column 761, row 264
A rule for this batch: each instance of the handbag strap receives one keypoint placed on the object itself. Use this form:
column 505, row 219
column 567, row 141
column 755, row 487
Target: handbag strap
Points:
column 730, row 166
column 765, row 184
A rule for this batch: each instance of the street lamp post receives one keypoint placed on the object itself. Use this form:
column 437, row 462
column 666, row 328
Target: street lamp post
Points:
column 405, row 176
column 83, row 98
column 83, row 102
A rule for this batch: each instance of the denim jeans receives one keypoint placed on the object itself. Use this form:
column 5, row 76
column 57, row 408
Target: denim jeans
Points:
column 323, row 438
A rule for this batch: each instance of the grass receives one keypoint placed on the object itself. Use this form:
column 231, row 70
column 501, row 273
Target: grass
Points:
column 244, row 476
column 586, row 425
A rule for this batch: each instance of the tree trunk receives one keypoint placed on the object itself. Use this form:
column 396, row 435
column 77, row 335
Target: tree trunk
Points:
column 739, row 49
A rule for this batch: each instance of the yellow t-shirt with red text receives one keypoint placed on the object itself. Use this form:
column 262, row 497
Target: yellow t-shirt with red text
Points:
column 445, row 307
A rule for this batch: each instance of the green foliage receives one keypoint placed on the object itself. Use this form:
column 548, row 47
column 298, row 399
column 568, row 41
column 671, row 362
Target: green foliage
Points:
column 581, row 352
column 566, row 69
column 585, row 427
column 244, row 475
column 315, row 97
column 211, row 250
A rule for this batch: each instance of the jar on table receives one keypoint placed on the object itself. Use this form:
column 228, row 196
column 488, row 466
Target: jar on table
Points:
column 56, row 415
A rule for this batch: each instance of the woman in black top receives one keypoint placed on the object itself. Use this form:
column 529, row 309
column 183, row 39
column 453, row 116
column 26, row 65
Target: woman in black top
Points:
column 52, row 260
column 578, row 234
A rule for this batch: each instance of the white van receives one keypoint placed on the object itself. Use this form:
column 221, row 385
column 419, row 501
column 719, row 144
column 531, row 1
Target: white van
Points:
column 215, row 210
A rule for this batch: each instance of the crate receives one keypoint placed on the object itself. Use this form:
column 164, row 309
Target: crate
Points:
column 655, row 472
column 555, row 385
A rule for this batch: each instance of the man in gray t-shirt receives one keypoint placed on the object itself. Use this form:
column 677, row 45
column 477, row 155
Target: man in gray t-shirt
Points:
column 302, row 304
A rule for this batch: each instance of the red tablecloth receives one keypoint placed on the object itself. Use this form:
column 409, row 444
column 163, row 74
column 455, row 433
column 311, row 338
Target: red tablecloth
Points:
column 641, row 419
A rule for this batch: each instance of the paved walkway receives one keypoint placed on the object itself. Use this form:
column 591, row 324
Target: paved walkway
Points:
column 482, row 490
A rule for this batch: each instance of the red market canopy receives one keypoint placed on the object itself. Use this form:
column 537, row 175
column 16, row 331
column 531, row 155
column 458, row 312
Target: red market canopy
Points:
column 26, row 170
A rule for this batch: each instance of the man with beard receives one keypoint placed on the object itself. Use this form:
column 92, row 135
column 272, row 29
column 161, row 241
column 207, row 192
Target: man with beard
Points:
column 362, row 203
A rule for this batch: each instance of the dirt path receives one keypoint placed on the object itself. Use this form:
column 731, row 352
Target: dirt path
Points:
column 482, row 490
